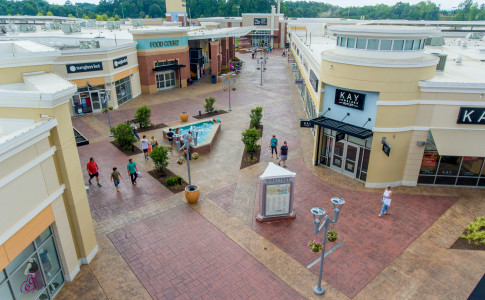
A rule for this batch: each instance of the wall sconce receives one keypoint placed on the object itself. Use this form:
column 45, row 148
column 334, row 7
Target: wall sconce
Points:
column 331, row 67
column 383, row 141
column 421, row 143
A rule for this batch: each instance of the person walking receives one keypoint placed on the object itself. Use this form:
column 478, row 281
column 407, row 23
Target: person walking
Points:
column 386, row 201
column 153, row 142
column 144, row 146
column 273, row 144
column 283, row 154
column 132, row 171
column 134, row 130
column 170, row 136
column 187, row 137
column 115, row 177
column 283, row 53
column 93, row 171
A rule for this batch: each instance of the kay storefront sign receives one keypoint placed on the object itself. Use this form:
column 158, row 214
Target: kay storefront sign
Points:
column 471, row 115
column 349, row 99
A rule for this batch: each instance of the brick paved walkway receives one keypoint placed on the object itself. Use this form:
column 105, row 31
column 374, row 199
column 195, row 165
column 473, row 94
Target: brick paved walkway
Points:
column 180, row 255
column 223, row 197
column 370, row 243
column 104, row 201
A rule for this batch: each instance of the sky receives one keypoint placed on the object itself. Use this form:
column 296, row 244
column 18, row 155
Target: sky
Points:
column 444, row 4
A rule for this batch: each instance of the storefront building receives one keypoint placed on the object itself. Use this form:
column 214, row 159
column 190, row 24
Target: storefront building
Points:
column 46, row 230
column 390, row 112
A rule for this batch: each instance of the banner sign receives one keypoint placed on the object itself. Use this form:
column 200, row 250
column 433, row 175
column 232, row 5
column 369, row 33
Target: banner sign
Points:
column 313, row 81
column 306, row 124
column 386, row 148
column 471, row 115
column 260, row 21
column 299, row 81
column 349, row 99
column 85, row 67
column 162, row 42
column 119, row 62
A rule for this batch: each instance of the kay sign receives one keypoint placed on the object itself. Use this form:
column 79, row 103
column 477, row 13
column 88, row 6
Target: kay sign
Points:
column 471, row 115
column 349, row 99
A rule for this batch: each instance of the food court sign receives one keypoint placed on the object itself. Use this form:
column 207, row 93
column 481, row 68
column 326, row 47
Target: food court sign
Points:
column 162, row 43
column 471, row 115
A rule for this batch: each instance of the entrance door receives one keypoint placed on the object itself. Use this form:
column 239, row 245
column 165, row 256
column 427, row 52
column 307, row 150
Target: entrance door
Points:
column 165, row 80
column 351, row 159
column 338, row 156
column 95, row 101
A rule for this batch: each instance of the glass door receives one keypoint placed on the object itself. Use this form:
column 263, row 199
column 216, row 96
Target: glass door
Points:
column 165, row 80
column 95, row 101
column 351, row 159
column 338, row 156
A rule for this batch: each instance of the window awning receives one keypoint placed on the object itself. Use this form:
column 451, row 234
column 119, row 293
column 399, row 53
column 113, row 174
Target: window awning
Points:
column 358, row 132
column 168, row 67
column 456, row 142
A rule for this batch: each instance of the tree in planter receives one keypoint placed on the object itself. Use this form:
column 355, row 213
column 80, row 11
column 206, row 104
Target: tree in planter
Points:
column 209, row 105
column 159, row 156
column 124, row 136
column 255, row 117
column 143, row 115
column 250, row 139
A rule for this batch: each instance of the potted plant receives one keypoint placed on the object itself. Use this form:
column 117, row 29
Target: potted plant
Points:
column 264, row 69
column 315, row 246
column 181, row 160
column 192, row 193
column 258, row 68
column 184, row 116
column 233, row 89
column 195, row 156
column 332, row 236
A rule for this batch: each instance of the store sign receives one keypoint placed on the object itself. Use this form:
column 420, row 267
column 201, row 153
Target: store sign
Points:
column 299, row 81
column 306, row 124
column 313, row 81
column 260, row 21
column 340, row 136
column 164, row 44
column 471, row 115
column 386, row 148
column 119, row 62
column 349, row 99
column 86, row 67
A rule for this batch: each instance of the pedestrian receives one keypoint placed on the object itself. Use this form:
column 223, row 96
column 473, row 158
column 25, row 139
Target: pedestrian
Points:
column 153, row 142
column 386, row 201
column 170, row 136
column 132, row 171
column 93, row 171
column 283, row 53
column 144, row 146
column 115, row 177
column 283, row 155
column 187, row 137
column 270, row 49
column 134, row 130
column 273, row 144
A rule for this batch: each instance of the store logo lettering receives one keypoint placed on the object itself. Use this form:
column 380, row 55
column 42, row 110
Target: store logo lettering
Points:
column 471, row 115
column 160, row 44
column 349, row 99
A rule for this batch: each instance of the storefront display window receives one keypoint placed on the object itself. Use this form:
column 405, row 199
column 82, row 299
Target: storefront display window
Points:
column 35, row 273
column 123, row 90
column 87, row 100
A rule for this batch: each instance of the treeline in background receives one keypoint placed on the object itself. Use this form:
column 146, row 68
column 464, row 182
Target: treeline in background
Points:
column 116, row 9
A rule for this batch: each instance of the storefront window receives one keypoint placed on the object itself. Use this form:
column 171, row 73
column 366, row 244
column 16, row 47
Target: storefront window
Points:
column 429, row 164
column 398, row 45
column 386, row 44
column 351, row 42
column 123, row 90
column 373, row 44
column 36, row 268
column 361, row 43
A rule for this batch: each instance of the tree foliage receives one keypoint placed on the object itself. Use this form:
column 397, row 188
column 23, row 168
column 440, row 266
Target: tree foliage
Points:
column 159, row 156
column 425, row 10
column 124, row 136
column 209, row 104
column 256, row 116
column 143, row 116
column 250, row 139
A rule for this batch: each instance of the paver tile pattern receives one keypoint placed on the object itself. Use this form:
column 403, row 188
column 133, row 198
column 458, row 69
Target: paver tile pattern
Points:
column 104, row 201
column 84, row 128
column 178, row 254
column 223, row 197
column 370, row 243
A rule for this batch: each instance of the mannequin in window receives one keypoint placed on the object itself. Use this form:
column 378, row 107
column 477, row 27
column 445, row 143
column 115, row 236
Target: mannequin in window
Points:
column 33, row 269
column 45, row 260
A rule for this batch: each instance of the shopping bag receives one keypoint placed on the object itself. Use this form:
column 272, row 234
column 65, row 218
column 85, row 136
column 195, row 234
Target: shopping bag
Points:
column 149, row 149
column 387, row 201
column 138, row 174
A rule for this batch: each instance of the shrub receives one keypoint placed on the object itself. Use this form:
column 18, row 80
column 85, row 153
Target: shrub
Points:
column 256, row 116
column 235, row 59
column 159, row 156
column 475, row 232
column 250, row 139
column 209, row 104
column 174, row 180
column 143, row 115
column 124, row 136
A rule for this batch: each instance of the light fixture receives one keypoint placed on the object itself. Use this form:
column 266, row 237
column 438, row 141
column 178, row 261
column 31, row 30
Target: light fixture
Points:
column 383, row 141
column 420, row 143
column 331, row 67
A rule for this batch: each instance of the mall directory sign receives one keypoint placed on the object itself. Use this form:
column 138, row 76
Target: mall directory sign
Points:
column 349, row 99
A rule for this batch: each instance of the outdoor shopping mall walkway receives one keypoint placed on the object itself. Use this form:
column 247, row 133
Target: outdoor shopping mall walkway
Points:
column 152, row 244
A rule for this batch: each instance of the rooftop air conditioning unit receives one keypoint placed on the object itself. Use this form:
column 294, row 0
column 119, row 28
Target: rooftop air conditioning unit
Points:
column 70, row 28
column 113, row 25
column 91, row 23
column 440, row 67
column 88, row 44
column 137, row 23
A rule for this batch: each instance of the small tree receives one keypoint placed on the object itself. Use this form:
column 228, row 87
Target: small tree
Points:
column 159, row 156
column 250, row 139
column 143, row 115
column 124, row 136
column 256, row 116
column 209, row 104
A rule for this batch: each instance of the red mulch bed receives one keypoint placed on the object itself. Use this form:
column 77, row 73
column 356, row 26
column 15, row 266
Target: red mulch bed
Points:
column 162, row 177
column 210, row 115
column 135, row 151
column 462, row 244
column 152, row 127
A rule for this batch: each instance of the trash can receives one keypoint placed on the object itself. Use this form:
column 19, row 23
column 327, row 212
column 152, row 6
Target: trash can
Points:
column 214, row 78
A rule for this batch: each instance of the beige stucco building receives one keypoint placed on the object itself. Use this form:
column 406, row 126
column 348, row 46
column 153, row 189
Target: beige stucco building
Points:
column 46, row 230
column 390, row 109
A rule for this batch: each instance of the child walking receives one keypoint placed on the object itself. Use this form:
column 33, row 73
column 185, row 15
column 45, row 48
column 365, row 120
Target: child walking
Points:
column 115, row 177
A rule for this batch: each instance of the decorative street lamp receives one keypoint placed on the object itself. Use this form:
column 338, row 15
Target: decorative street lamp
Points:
column 262, row 64
column 106, row 97
column 228, row 79
column 318, row 214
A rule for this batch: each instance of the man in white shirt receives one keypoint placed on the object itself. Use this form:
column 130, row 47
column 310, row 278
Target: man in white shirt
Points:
column 144, row 146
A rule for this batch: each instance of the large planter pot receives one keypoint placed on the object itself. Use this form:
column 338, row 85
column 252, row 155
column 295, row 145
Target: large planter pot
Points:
column 192, row 193
column 184, row 116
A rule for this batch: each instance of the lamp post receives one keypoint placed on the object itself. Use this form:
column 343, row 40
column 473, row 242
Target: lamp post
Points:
column 228, row 79
column 262, row 64
column 105, row 99
column 318, row 214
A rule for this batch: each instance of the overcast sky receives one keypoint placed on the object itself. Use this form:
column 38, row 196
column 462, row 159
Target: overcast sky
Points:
column 445, row 4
